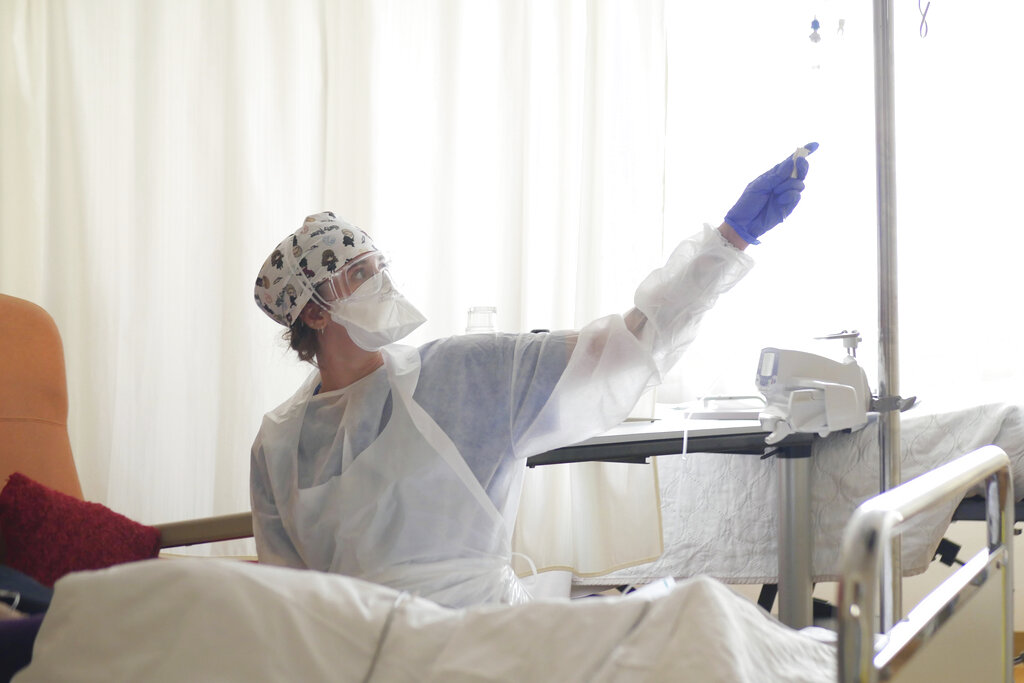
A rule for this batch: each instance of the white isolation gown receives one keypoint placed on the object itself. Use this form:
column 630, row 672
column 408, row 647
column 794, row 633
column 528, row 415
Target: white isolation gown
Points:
column 410, row 477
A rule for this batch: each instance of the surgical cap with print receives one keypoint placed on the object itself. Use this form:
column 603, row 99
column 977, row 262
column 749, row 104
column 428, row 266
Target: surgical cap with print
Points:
column 310, row 255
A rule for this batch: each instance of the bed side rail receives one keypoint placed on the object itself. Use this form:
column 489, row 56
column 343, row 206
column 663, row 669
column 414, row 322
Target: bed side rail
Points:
column 976, row 600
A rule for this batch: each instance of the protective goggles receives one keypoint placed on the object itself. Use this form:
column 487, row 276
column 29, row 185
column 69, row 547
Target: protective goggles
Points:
column 356, row 279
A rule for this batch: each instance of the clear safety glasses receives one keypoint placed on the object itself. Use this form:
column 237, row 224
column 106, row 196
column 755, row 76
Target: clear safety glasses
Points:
column 356, row 279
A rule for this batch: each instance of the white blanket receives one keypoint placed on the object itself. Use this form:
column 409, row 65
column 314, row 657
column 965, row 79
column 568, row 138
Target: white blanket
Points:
column 215, row 620
column 720, row 512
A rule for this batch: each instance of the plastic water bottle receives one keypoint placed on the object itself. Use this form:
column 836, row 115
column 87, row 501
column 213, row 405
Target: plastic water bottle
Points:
column 482, row 320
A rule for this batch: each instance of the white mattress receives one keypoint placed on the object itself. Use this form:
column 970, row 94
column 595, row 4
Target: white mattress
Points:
column 215, row 620
column 720, row 512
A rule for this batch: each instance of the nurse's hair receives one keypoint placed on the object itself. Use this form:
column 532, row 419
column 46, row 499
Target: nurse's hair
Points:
column 303, row 340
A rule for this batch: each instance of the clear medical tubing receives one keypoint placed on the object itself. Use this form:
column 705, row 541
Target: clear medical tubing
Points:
column 891, row 599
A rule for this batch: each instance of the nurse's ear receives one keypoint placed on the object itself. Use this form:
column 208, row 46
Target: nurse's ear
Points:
column 315, row 317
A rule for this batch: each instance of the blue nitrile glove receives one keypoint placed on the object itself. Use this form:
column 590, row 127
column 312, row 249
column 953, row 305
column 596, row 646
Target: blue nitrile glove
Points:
column 771, row 197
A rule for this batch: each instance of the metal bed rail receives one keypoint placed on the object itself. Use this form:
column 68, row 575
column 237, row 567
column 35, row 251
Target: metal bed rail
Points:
column 979, row 596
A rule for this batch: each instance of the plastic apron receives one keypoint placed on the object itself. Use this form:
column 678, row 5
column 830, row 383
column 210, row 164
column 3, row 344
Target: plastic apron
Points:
column 410, row 513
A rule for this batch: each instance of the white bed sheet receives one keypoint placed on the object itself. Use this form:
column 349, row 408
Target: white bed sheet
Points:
column 720, row 512
column 206, row 620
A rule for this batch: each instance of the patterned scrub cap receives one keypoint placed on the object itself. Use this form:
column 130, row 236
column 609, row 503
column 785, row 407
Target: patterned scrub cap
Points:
column 312, row 254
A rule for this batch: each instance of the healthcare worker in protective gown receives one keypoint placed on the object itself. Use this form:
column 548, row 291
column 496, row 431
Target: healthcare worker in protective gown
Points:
column 403, row 466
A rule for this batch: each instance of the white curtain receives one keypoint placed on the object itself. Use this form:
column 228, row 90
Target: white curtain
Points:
column 536, row 156
column 154, row 154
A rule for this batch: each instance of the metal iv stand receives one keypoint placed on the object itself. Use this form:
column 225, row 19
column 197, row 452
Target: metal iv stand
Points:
column 891, row 590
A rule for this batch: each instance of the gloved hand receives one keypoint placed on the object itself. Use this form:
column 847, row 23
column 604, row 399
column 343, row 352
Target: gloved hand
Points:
column 769, row 198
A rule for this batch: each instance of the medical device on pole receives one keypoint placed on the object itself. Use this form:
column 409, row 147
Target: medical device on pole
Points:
column 808, row 393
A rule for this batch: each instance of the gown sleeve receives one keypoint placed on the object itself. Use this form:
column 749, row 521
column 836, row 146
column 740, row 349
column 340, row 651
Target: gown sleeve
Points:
column 612, row 363
column 273, row 546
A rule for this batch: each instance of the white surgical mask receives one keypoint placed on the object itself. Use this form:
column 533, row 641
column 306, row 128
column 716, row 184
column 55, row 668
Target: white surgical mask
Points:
column 377, row 320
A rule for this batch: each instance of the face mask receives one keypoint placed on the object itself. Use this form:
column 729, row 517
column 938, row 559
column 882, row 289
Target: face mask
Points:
column 377, row 320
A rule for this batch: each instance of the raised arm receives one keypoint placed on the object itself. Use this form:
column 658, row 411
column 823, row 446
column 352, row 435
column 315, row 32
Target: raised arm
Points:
column 614, row 359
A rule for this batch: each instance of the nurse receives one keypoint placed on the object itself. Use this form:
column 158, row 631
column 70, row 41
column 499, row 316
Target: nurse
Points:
column 403, row 466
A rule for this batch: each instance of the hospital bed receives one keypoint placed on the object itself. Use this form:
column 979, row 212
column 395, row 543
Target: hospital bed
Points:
column 223, row 620
column 963, row 630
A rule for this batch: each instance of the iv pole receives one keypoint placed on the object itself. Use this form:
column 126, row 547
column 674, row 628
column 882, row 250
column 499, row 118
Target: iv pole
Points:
column 891, row 593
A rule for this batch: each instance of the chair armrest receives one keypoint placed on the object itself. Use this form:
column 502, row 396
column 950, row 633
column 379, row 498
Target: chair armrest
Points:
column 205, row 530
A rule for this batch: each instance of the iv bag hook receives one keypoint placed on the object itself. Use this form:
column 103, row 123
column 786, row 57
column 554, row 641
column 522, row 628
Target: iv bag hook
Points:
column 850, row 340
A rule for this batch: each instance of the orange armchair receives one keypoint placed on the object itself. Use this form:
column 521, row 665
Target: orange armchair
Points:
column 33, row 420
column 34, row 398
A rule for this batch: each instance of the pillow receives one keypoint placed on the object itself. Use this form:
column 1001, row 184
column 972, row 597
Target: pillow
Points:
column 49, row 534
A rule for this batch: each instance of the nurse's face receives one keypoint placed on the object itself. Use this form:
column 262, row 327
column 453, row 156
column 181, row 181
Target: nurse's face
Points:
column 353, row 278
